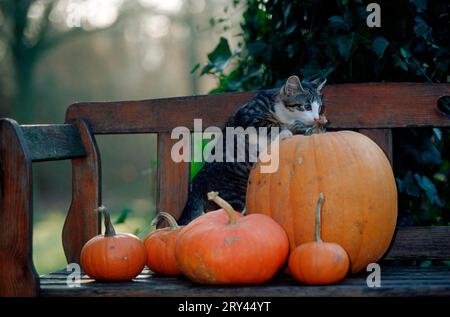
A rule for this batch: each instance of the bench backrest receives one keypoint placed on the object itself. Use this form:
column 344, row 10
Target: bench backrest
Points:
column 372, row 109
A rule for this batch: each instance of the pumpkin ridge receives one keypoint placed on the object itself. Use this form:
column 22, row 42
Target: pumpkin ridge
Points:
column 127, row 263
column 383, row 166
column 293, row 177
column 358, row 183
column 332, row 160
column 366, row 210
column 276, row 200
column 290, row 198
column 293, row 211
column 271, row 203
column 318, row 166
column 104, row 256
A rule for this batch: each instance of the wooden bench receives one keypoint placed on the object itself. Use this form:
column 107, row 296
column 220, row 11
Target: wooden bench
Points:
column 373, row 109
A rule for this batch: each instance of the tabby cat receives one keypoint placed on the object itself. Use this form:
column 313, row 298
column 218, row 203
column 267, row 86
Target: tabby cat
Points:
column 293, row 109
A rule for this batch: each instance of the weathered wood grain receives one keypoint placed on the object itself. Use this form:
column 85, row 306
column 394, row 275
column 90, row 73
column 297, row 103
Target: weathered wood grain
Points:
column 17, row 274
column 48, row 142
column 157, row 115
column 173, row 179
column 348, row 106
column 414, row 243
column 386, row 105
column 382, row 137
column 395, row 281
column 82, row 221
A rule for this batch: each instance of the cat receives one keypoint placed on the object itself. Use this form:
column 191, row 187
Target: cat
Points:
column 293, row 109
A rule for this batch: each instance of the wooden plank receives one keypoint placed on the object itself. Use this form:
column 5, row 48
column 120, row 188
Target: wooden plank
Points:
column 382, row 137
column 413, row 243
column 157, row 115
column 386, row 105
column 429, row 272
column 173, row 179
column 17, row 274
column 395, row 281
column 348, row 106
column 82, row 221
column 48, row 142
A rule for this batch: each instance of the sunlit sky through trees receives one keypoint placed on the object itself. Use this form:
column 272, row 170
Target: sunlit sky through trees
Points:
column 57, row 52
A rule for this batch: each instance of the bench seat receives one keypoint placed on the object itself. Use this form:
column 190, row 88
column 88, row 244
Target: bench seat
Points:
column 395, row 281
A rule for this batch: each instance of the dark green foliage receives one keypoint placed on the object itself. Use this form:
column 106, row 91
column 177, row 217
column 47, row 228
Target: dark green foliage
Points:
column 422, row 169
column 330, row 38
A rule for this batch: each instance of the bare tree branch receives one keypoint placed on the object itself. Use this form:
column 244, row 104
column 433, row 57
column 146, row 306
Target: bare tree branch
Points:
column 47, row 43
column 45, row 22
column 20, row 13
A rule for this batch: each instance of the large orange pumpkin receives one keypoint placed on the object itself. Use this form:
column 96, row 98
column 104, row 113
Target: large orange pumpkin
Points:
column 222, row 247
column 355, row 176
column 113, row 256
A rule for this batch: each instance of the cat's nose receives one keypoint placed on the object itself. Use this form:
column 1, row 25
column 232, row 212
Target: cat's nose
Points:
column 316, row 119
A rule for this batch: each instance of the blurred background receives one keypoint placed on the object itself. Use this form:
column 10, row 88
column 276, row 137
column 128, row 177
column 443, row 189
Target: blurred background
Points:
column 56, row 52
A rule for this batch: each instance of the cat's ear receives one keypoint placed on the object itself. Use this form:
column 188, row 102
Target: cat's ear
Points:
column 319, row 83
column 292, row 86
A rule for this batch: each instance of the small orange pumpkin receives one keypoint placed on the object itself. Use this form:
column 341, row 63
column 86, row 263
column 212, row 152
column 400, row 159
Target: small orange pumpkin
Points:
column 160, row 246
column 318, row 262
column 223, row 247
column 113, row 256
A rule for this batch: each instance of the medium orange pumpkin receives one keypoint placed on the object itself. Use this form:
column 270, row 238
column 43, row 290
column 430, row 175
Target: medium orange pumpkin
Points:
column 222, row 247
column 357, row 179
column 113, row 256
column 160, row 245
column 318, row 262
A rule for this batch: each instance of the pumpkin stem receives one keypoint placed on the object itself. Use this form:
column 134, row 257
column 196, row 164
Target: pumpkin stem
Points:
column 167, row 217
column 317, row 237
column 109, row 229
column 214, row 196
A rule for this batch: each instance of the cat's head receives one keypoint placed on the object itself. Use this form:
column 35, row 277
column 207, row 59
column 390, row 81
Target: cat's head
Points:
column 301, row 101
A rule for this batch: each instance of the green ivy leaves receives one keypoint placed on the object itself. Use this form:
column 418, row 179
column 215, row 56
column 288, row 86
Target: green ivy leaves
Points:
column 411, row 185
column 219, row 58
column 379, row 46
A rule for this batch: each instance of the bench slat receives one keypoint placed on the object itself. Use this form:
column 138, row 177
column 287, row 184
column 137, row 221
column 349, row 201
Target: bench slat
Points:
column 173, row 179
column 415, row 243
column 348, row 106
column 82, row 221
column 53, row 142
column 395, row 281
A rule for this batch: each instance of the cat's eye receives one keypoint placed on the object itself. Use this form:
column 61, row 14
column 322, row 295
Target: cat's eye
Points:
column 308, row 107
column 298, row 106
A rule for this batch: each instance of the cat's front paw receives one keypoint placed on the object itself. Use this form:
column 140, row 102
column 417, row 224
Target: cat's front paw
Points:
column 284, row 134
column 298, row 127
